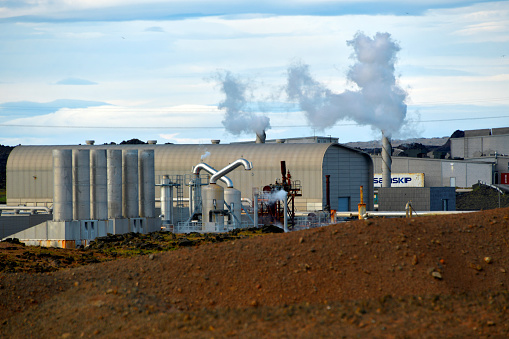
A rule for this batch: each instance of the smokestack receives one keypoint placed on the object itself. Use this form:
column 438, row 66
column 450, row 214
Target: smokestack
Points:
column 260, row 137
column 386, row 161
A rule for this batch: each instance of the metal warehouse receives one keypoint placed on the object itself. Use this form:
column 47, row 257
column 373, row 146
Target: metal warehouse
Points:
column 30, row 170
column 440, row 172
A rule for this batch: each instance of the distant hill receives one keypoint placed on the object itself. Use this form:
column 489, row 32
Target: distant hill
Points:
column 4, row 154
column 435, row 142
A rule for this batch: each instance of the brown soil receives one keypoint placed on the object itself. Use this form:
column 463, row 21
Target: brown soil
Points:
column 423, row 277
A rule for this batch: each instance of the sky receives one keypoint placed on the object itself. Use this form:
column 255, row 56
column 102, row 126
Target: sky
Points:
column 191, row 71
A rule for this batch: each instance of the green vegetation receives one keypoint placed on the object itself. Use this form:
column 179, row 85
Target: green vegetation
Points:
column 2, row 196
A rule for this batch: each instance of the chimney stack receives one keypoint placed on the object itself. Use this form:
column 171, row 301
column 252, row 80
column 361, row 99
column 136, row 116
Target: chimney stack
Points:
column 386, row 161
column 260, row 137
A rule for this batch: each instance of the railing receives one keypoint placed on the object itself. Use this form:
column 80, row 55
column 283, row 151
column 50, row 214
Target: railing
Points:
column 189, row 227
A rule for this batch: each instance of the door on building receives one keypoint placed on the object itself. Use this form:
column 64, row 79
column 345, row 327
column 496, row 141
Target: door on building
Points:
column 445, row 204
column 453, row 182
column 343, row 204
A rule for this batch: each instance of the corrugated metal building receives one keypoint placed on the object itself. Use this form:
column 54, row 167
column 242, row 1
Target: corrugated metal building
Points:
column 481, row 143
column 441, row 172
column 30, row 178
column 488, row 145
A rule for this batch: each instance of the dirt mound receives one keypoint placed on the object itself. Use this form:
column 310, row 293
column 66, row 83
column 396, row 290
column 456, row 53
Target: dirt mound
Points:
column 426, row 276
column 482, row 197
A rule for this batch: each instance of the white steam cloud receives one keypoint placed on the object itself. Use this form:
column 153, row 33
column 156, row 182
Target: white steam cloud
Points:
column 378, row 102
column 238, row 119
column 205, row 155
column 274, row 196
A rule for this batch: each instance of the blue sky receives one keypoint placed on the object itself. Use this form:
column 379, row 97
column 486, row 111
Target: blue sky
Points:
column 111, row 70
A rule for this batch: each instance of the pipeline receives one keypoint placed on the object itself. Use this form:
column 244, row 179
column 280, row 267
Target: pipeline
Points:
column 211, row 170
column 247, row 166
column 16, row 209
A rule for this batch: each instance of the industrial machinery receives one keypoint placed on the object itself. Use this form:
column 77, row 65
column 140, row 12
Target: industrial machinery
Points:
column 271, row 199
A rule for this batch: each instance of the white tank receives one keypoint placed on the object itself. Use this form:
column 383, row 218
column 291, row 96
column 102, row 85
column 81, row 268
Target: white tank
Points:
column 62, row 185
column 233, row 199
column 114, row 186
column 81, row 184
column 166, row 200
column 212, row 202
column 130, row 207
column 98, row 185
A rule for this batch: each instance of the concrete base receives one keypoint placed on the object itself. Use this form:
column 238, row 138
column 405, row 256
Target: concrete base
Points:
column 71, row 234
column 209, row 227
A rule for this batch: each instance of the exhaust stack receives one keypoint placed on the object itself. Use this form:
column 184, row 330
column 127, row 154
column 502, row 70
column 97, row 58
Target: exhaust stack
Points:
column 260, row 137
column 386, row 161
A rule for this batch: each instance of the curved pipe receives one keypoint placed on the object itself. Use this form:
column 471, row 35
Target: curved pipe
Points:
column 247, row 166
column 212, row 171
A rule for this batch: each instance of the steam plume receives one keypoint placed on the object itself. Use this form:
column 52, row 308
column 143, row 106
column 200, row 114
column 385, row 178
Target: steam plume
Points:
column 272, row 197
column 205, row 155
column 378, row 102
column 237, row 119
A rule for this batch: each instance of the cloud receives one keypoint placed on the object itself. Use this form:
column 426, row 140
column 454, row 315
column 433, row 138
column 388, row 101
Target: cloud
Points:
column 75, row 81
column 128, row 10
column 21, row 109
column 156, row 29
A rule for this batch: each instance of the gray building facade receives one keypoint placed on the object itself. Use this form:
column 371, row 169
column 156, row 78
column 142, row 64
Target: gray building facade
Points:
column 421, row 198
column 441, row 172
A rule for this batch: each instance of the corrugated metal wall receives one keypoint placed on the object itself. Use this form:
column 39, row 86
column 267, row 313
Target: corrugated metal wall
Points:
column 30, row 178
column 438, row 172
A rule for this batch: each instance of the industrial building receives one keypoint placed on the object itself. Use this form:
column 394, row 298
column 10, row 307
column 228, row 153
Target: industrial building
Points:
column 437, row 172
column 485, row 145
column 30, row 170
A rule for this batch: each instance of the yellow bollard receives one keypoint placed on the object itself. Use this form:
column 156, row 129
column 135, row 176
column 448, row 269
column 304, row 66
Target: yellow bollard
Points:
column 362, row 206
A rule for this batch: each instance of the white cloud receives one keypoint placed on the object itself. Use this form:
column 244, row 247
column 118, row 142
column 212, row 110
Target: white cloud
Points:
column 149, row 61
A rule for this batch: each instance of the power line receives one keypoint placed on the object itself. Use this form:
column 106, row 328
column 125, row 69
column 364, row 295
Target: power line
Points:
column 209, row 108
column 222, row 127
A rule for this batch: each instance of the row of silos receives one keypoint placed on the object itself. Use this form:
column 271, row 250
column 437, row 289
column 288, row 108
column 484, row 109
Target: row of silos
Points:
column 99, row 184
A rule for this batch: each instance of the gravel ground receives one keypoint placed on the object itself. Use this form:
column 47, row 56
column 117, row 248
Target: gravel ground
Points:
column 421, row 277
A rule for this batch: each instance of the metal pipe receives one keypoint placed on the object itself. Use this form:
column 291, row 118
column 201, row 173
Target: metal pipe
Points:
column 386, row 161
column 285, row 225
column 114, row 183
column 30, row 208
column 397, row 213
column 247, row 166
column 212, row 171
column 98, row 185
column 62, row 185
column 327, row 192
column 166, row 200
column 255, row 207
column 191, row 200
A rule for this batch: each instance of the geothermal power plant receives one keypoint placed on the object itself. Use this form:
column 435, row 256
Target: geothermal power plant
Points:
column 88, row 191
column 67, row 196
